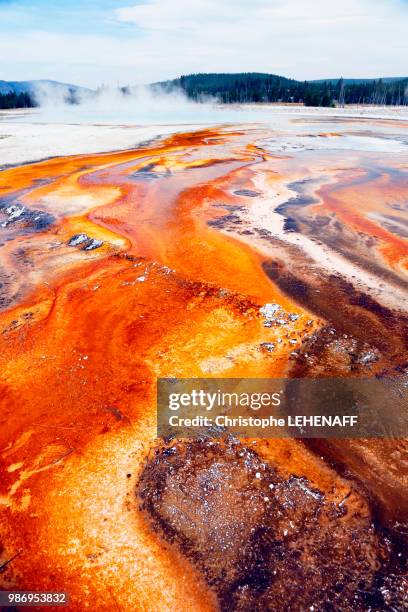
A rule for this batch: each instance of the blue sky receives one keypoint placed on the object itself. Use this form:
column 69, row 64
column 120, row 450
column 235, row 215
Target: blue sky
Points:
column 86, row 16
column 94, row 41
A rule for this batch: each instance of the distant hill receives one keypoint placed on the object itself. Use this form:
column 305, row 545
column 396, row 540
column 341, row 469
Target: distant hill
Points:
column 227, row 88
column 230, row 87
column 27, row 94
column 33, row 86
column 244, row 87
column 359, row 81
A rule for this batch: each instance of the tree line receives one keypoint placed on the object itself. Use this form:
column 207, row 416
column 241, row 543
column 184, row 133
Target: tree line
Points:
column 258, row 87
column 16, row 100
column 250, row 87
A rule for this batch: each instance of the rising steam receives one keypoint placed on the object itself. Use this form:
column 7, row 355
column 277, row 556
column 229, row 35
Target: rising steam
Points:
column 139, row 105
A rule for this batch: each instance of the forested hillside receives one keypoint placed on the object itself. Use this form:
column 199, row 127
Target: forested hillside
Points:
column 259, row 87
column 26, row 94
column 227, row 88
column 16, row 100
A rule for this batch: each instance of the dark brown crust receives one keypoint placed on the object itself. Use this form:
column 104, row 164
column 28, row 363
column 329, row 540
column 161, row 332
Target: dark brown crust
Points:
column 255, row 535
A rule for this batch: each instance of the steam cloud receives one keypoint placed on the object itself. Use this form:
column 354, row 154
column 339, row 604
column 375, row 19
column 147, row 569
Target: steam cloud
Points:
column 138, row 105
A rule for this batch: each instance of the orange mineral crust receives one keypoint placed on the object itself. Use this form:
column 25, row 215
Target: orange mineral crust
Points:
column 119, row 268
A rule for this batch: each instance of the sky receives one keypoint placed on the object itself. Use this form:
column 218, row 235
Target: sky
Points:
column 90, row 42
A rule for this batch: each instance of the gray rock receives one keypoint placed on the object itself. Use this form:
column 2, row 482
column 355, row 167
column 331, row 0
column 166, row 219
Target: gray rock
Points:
column 93, row 244
column 268, row 346
column 87, row 243
column 367, row 357
column 78, row 239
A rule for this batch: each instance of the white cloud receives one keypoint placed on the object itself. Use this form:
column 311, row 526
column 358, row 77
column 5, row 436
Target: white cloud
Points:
column 182, row 14
column 302, row 38
column 176, row 16
column 298, row 38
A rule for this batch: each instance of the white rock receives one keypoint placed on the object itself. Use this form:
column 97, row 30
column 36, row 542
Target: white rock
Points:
column 269, row 310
